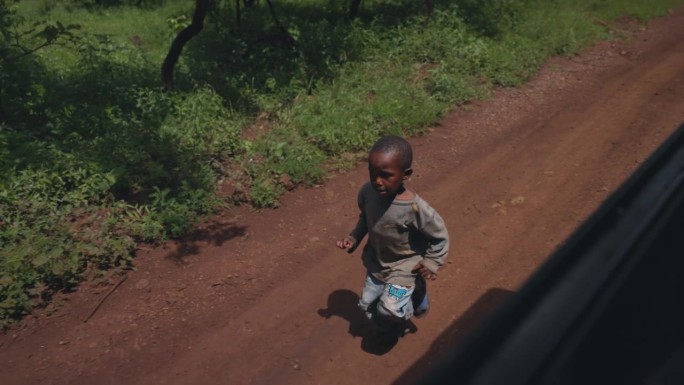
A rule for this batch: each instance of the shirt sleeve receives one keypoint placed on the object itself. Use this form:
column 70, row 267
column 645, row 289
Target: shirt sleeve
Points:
column 431, row 225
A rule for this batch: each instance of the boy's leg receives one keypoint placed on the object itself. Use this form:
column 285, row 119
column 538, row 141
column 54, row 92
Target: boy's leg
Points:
column 395, row 307
column 372, row 290
column 419, row 299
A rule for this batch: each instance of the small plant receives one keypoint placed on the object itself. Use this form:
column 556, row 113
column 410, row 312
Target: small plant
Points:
column 265, row 192
column 178, row 23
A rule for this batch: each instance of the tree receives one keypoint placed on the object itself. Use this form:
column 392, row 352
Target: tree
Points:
column 195, row 27
column 184, row 36
column 19, row 43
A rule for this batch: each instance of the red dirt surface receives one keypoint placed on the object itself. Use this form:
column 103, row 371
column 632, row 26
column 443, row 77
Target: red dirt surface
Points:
column 266, row 298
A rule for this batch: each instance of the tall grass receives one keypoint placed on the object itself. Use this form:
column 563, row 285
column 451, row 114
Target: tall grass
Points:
column 95, row 156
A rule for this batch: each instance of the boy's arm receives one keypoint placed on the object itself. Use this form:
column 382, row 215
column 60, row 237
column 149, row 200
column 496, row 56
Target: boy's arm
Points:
column 358, row 233
column 432, row 226
column 361, row 228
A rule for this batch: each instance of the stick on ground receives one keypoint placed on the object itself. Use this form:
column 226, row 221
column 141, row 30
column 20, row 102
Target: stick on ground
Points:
column 105, row 297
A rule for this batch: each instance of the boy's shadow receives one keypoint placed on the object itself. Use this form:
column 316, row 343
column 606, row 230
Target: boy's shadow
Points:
column 344, row 303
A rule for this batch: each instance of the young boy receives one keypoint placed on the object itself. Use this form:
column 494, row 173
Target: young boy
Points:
column 407, row 240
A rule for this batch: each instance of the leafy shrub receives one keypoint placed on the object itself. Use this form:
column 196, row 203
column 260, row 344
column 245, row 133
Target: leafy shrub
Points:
column 49, row 241
column 265, row 192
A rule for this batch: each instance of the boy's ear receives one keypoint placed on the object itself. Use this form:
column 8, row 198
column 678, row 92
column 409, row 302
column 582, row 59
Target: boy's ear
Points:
column 408, row 172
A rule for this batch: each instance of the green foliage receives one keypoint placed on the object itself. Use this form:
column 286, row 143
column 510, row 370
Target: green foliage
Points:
column 265, row 192
column 491, row 18
column 95, row 156
column 641, row 10
column 50, row 238
column 103, row 4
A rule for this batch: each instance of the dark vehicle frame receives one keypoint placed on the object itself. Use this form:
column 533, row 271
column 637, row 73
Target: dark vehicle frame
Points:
column 606, row 308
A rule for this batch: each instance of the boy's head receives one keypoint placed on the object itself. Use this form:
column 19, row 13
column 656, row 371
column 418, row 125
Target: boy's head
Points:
column 389, row 165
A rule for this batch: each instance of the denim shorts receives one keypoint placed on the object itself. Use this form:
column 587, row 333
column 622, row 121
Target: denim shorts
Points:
column 383, row 301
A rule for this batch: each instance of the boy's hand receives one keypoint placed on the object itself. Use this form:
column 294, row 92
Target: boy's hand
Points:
column 425, row 272
column 346, row 243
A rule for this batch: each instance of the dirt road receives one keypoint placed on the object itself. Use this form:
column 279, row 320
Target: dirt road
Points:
column 266, row 298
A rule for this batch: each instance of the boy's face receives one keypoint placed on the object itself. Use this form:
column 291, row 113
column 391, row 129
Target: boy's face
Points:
column 386, row 173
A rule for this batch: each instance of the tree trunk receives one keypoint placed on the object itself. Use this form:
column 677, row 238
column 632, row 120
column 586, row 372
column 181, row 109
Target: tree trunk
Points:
column 354, row 8
column 201, row 8
column 428, row 5
column 237, row 12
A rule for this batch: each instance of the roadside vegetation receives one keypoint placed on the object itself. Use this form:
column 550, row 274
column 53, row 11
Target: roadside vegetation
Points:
column 97, row 156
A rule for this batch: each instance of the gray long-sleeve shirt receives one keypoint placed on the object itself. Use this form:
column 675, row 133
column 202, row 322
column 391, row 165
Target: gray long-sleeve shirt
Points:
column 400, row 235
